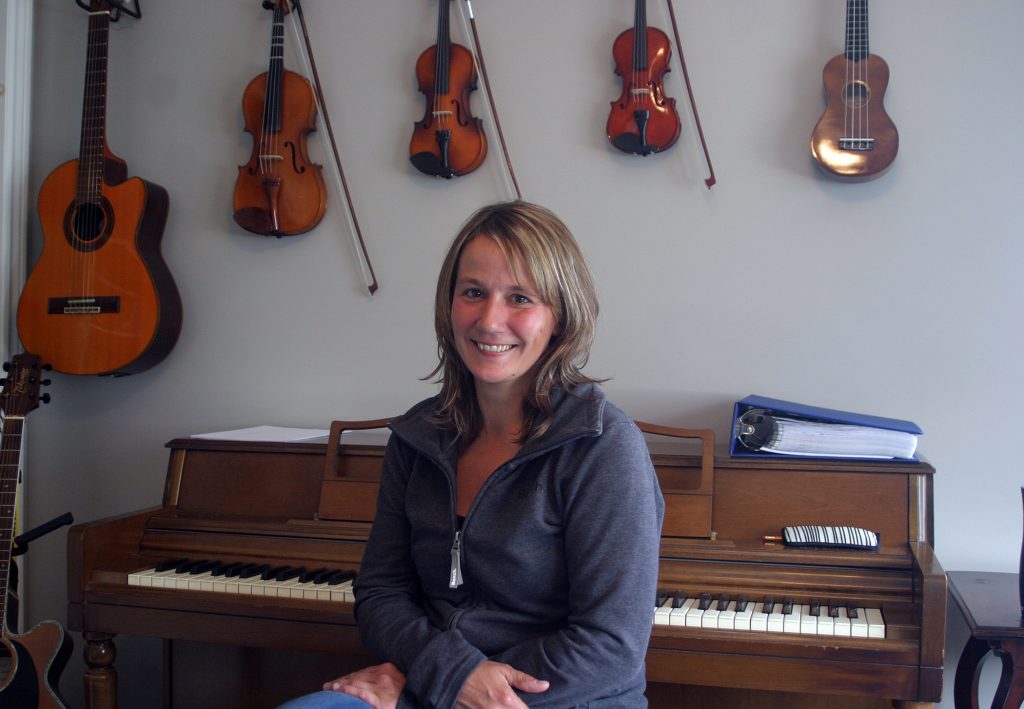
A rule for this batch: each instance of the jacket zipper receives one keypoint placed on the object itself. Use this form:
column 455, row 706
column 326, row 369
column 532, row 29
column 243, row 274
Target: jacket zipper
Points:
column 455, row 575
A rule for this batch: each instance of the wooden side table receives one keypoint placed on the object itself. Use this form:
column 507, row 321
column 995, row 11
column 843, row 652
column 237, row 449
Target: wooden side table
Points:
column 990, row 603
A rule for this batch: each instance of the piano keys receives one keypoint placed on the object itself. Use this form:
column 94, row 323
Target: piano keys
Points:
column 731, row 599
column 721, row 613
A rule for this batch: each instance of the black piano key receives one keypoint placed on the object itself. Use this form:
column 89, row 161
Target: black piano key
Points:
column 228, row 570
column 769, row 604
column 851, row 611
column 787, row 606
column 250, row 570
column 741, row 604
column 187, row 565
column 323, row 575
column 705, row 601
column 340, row 577
column 203, row 567
column 170, row 564
column 679, row 599
column 833, row 608
column 660, row 599
column 308, row 575
column 815, row 607
column 723, row 602
column 272, row 572
column 288, row 572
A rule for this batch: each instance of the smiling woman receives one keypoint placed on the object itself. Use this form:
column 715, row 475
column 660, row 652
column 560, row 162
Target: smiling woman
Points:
column 514, row 551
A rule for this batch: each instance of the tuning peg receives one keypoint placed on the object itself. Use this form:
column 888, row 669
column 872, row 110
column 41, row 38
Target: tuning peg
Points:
column 45, row 383
column 3, row 382
column 47, row 367
column 45, row 398
column 7, row 366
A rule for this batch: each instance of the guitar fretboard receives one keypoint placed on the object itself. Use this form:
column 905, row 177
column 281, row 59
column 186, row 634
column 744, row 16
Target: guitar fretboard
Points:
column 10, row 455
column 94, row 109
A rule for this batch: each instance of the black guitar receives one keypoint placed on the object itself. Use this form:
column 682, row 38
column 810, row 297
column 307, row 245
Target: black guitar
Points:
column 30, row 664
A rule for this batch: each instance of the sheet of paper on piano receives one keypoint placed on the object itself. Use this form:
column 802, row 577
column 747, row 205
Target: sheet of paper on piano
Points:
column 274, row 434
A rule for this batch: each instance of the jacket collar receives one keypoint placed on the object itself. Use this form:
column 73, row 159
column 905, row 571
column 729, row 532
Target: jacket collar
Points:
column 575, row 415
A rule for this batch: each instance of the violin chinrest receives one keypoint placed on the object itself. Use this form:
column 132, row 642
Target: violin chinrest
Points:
column 429, row 163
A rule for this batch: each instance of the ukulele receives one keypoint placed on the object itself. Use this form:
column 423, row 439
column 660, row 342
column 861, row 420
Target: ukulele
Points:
column 100, row 300
column 36, row 658
column 855, row 139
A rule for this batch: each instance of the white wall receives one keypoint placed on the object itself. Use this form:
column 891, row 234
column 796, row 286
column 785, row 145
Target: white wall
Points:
column 897, row 297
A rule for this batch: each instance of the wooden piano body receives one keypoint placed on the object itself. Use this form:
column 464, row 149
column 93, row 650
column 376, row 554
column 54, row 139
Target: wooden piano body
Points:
column 311, row 503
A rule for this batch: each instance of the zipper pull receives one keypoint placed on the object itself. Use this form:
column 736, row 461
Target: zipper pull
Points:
column 455, row 577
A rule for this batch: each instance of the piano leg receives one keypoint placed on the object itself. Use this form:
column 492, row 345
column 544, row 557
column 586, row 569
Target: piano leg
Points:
column 100, row 675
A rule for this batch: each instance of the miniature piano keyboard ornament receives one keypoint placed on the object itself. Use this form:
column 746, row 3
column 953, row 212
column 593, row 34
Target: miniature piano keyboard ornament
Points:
column 817, row 535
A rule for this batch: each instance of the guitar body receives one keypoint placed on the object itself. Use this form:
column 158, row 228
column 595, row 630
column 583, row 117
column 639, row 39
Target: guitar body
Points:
column 855, row 139
column 100, row 300
column 36, row 660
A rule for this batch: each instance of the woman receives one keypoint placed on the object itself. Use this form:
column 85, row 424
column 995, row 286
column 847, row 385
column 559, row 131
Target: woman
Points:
column 514, row 554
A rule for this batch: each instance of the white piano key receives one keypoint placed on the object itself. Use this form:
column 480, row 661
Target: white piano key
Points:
column 791, row 621
column 743, row 617
column 859, row 624
column 808, row 622
column 678, row 615
column 694, row 613
column 710, row 617
column 842, row 623
column 876, row 624
column 826, row 624
column 759, row 619
column 775, row 619
column 727, row 618
column 662, row 612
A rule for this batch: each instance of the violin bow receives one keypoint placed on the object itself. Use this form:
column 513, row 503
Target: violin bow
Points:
column 364, row 259
column 490, row 99
column 686, row 76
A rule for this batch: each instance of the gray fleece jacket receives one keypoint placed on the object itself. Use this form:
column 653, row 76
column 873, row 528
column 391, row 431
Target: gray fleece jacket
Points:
column 553, row 571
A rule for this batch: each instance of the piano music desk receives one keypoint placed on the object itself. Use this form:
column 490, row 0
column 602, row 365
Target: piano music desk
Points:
column 990, row 603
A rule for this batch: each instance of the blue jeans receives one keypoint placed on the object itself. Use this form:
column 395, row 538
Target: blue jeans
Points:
column 325, row 700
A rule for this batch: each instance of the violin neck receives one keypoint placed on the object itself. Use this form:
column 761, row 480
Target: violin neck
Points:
column 275, row 74
column 444, row 43
column 640, row 35
column 856, row 30
column 94, row 109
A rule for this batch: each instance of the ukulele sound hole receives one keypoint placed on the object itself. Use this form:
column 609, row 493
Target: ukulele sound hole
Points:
column 856, row 94
column 88, row 226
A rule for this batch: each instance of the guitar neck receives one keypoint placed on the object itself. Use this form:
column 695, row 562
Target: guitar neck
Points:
column 10, row 453
column 94, row 110
column 856, row 30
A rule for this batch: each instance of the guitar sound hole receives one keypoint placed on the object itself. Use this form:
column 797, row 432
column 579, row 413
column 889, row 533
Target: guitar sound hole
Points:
column 87, row 226
column 856, row 94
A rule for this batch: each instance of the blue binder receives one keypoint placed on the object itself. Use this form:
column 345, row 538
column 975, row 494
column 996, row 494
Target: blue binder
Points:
column 810, row 413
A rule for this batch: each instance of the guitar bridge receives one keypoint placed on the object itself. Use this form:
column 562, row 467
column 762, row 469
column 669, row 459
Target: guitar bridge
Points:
column 856, row 143
column 84, row 305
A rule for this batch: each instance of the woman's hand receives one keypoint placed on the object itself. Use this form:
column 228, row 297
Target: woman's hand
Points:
column 491, row 685
column 379, row 685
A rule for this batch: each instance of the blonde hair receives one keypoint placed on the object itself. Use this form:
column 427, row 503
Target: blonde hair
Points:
column 534, row 239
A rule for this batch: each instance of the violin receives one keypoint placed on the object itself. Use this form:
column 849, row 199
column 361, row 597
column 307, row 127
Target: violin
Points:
column 449, row 141
column 643, row 120
column 279, row 192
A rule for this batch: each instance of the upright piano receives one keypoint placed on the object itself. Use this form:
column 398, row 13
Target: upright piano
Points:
column 281, row 528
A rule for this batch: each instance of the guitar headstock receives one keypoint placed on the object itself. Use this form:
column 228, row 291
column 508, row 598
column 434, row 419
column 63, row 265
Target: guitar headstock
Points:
column 113, row 7
column 21, row 385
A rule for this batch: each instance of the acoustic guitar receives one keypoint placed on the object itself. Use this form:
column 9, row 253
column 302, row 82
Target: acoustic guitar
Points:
column 30, row 664
column 100, row 300
column 855, row 139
